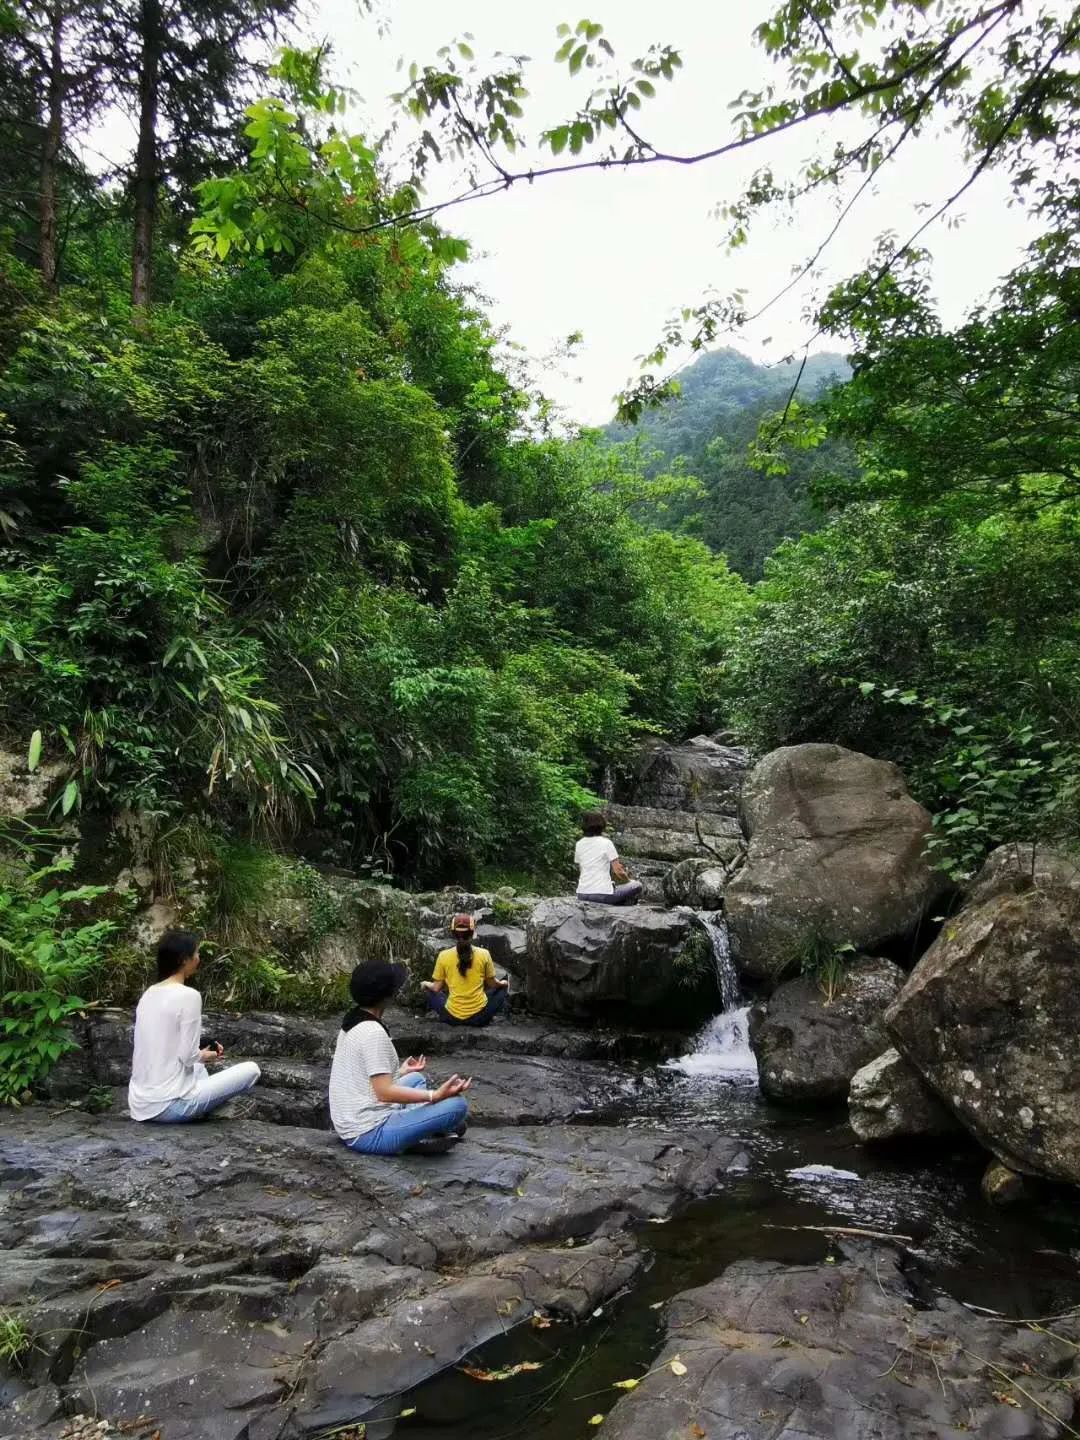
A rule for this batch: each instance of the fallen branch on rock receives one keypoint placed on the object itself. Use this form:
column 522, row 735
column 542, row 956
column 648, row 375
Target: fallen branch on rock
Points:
column 846, row 1230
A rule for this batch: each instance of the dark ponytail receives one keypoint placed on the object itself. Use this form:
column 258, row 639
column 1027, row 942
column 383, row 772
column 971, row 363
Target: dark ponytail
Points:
column 464, row 957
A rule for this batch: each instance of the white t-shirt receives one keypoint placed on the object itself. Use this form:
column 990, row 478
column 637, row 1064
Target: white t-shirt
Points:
column 165, row 1064
column 360, row 1053
column 593, row 855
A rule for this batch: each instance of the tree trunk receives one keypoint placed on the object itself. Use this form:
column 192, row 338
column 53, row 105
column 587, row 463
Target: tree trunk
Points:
column 146, row 155
column 50, row 154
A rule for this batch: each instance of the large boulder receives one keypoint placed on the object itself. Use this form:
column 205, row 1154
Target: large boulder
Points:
column 888, row 1101
column 507, row 945
column 697, row 883
column 698, row 775
column 809, row 1043
column 847, row 1349
column 1015, row 869
column 835, row 856
column 618, row 962
column 990, row 1017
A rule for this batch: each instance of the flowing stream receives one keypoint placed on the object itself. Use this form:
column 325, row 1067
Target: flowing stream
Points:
column 722, row 1048
column 797, row 1170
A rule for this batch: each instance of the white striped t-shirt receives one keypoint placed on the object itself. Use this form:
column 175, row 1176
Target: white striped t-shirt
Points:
column 361, row 1052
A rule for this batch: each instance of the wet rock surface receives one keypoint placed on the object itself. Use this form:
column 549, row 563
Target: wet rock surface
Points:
column 888, row 1101
column 243, row 1279
column 990, row 1016
column 809, row 1043
column 861, row 1349
column 835, row 855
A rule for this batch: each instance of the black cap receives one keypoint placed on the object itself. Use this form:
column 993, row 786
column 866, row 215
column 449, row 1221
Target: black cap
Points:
column 374, row 981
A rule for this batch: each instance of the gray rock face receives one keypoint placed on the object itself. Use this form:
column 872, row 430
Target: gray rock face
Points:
column 990, row 1017
column 698, row 775
column 1015, row 869
column 888, row 1101
column 697, row 883
column 23, row 791
column 246, row 1280
column 844, row 1352
column 808, row 1047
column 506, row 944
column 673, row 835
column 835, row 853
column 681, row 804
column 591, row 961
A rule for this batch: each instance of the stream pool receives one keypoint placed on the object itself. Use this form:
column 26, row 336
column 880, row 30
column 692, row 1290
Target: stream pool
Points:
column 800, row 1170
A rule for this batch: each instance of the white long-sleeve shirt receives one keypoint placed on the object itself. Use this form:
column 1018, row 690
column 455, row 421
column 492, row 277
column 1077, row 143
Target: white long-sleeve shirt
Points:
column 165, row 1065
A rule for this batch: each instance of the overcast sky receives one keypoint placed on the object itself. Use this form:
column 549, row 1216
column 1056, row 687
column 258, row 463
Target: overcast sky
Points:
column 612, row 254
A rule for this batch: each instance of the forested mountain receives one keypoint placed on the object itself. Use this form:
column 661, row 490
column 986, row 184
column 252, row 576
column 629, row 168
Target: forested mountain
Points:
column 742, row 510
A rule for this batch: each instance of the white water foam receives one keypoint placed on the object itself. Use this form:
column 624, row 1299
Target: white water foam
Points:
column 722, row 1049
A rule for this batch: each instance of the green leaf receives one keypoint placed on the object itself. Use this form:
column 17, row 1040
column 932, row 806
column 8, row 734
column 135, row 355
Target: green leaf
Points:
column 33, row 757
column 71, row 794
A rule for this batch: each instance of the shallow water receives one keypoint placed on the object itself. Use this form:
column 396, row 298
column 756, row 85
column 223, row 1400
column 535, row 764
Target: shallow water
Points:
column 796, row 1170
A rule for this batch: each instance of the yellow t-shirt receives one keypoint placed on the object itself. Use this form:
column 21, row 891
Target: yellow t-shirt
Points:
column 467, row 995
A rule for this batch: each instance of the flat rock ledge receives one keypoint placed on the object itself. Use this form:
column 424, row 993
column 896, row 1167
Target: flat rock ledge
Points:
column 856, row 1350
column 527, row 1072
column 240, row 1281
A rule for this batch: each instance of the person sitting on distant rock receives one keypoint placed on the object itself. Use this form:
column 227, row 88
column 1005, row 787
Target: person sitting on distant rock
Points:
column 464, row 989
column 379, row 1106
column 169, row 1080
column 602, row 877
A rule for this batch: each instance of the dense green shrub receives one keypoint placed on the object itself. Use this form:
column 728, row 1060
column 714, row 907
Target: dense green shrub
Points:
column 49, row 953
column 240, row 581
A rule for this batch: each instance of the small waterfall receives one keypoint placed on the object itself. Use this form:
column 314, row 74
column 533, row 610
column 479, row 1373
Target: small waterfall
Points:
column 722, row 1049
column 727, row 977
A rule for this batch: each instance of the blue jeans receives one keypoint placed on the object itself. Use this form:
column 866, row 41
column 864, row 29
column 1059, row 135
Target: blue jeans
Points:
column 496, row 1004
column 211, row 1091
column 411, row 1123
column 627, row 894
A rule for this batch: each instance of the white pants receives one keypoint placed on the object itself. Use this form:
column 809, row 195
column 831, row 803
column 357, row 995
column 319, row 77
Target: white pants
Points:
column 211, row 1091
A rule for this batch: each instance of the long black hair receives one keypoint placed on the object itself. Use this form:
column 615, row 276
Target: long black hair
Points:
column 464, row 947
column 175, row 948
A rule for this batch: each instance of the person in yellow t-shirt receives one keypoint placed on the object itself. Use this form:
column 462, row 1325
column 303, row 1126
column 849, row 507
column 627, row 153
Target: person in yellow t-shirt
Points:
column 463, row 990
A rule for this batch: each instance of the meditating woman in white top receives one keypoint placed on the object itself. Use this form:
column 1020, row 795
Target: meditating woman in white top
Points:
column 602, row 877
column 380, row 1105
column 169, row 1081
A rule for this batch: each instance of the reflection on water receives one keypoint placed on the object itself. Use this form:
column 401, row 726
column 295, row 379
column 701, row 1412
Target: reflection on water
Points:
column 801, row 1170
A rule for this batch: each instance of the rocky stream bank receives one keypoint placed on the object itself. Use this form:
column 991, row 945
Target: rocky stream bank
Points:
column 641, row 1198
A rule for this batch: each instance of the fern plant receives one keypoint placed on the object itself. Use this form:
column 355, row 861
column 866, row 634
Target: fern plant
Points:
column 46, row 956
